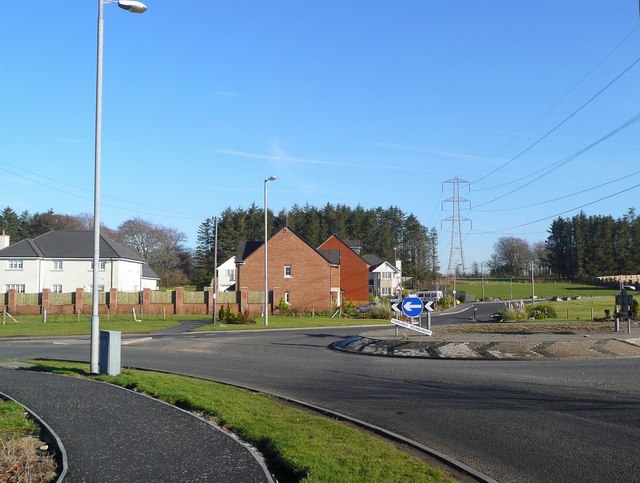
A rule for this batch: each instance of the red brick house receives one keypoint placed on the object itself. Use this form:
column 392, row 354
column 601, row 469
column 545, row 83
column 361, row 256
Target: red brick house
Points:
column 300, row 275
column 354, row 270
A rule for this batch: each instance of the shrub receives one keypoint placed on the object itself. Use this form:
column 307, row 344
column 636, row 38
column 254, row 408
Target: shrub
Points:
column 445, row 302
column 382, row 312
column 349, row 309
column 283, row 307
column 513, row 311
column 541, row 312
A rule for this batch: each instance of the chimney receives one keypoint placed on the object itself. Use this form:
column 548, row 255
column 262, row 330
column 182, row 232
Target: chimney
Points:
column 4, row 240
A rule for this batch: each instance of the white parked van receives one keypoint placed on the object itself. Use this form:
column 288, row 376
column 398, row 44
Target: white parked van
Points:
column 429, row 295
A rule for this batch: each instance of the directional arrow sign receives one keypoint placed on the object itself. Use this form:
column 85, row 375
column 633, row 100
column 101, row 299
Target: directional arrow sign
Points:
column 412, row 307
column 429, row 306
column 395, row 307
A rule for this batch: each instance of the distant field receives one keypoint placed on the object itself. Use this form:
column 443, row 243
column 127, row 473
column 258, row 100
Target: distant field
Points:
column 504, row 289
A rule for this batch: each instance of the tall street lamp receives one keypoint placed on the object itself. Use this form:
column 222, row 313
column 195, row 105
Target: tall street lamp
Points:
column 266, row 252
column 133, row 7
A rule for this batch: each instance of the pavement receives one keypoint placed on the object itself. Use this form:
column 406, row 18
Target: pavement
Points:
column 113, row 434
column 450, row 342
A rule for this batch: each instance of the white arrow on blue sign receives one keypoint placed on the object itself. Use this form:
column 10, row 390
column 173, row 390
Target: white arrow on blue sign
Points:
column 412, row 307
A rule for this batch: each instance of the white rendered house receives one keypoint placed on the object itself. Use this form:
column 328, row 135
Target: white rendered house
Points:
column 62, row 261
column 385, row 279
column 227, row 274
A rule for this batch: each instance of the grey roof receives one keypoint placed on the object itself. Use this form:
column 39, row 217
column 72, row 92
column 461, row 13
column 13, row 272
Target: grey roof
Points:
column 246, row 248
column 67, row 244
column 148, row 272
column 332, row 256
column 373, row 260
column 352, row 243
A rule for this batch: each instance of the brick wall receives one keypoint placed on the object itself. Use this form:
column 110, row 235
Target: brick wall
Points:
column 177, row 306
column 354, row 271
column 310, row 283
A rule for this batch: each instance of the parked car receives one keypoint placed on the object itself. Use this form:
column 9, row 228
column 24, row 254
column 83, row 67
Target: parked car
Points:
column 366, row 308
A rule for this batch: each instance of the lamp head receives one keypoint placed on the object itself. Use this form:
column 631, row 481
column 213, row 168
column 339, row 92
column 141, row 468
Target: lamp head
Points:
column 132, row 6
column 270, row 178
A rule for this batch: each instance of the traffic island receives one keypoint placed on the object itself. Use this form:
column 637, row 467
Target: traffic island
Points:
column 446, row 343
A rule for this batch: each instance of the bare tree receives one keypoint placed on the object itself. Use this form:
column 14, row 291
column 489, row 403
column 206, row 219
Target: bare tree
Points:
column 162, row 247
column 511, row 256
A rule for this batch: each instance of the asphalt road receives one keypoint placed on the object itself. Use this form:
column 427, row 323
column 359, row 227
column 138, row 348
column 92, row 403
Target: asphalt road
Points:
column 513, row 421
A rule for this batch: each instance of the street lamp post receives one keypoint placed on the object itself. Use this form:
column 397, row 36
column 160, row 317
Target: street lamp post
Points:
column 266, row 253
column 482, row 278
column 134, row 7
column 511, row 288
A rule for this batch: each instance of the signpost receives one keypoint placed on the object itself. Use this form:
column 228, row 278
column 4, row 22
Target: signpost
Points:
column 408, row 325
column 412, row 307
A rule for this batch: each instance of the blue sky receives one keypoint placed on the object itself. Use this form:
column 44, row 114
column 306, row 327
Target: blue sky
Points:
column 361, row 102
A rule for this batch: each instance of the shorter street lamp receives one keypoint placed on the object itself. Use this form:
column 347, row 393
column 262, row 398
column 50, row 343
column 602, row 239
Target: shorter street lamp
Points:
column 266, row 252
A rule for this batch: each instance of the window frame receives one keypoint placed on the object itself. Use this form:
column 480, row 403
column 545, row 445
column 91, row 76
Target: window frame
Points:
column 102, row 265
column 288, row 271
column 18, row 287
column 58, row 265
column 15, row 264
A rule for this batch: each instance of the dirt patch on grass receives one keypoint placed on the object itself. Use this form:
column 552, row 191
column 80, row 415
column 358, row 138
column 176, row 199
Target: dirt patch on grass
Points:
column 26, row 460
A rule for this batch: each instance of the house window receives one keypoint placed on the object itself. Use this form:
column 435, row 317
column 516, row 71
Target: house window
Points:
column 386, row 275
column 288, row 271
column 56, row 287
column 57, row 264
column 231, row 275
column 102, row 265
column 15, row 264
column 18, row 287
column 100, row 288
column 385, row 290
column 287, row 298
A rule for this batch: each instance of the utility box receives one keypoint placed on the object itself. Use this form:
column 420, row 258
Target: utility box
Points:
column 109, row 362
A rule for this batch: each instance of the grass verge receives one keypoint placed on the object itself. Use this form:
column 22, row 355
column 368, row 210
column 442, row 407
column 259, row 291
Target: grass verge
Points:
column 286, row 322
column 20, row 457
column 60, row 325
column 298, row 445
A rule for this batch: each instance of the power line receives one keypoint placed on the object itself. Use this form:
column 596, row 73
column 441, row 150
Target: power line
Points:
column 552, row 167
column 169, row 213
column 560, row 124
column 562, row 98
column 573, row 209
column 565, row 196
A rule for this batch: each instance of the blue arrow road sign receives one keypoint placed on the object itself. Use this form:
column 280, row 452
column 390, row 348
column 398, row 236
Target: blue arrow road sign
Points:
column 412, row 307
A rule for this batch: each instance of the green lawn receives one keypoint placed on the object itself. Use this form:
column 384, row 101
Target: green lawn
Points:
column 13, row 423
column 521, row 289
column 59, row 325
column 584, row 308
column 298, row 445
column 282, row 322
